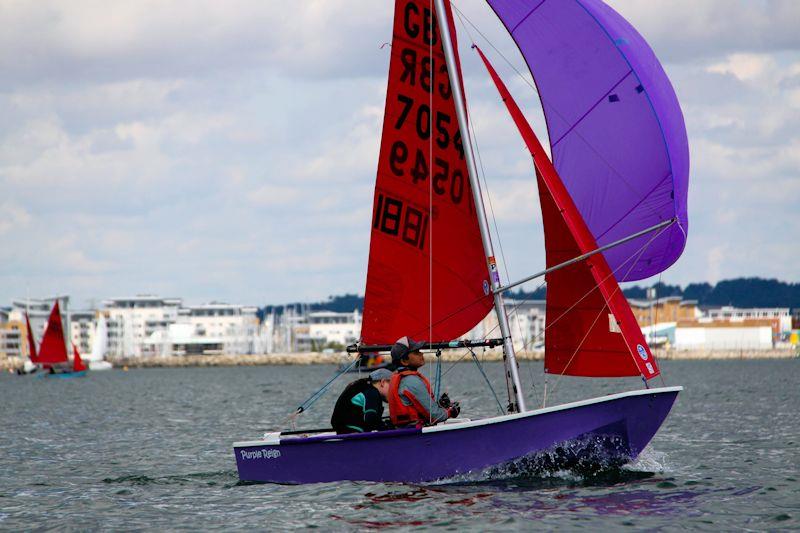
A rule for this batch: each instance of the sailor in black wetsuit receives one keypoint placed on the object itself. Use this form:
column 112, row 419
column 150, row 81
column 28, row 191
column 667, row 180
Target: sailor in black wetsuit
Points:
column 360, row 407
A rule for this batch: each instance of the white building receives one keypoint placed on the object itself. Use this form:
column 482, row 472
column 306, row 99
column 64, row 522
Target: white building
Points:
column 131, row 321
column 209, row 329
column 729, row 337
column 329, row 327
column 82, row 329
column 736, row 314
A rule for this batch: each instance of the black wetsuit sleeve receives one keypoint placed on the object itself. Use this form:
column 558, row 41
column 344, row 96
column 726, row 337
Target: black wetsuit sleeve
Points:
column 373, row 410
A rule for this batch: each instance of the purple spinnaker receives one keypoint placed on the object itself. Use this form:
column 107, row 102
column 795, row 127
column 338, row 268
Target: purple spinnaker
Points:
column 617, row 135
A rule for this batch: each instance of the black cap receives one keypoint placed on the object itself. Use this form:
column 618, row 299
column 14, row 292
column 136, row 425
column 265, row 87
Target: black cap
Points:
column 404, row 346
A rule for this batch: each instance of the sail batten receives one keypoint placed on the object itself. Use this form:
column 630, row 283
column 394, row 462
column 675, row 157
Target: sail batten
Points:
column 427, row 274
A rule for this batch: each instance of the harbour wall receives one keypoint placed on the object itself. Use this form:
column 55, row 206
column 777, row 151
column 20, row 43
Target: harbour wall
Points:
column 181, row 361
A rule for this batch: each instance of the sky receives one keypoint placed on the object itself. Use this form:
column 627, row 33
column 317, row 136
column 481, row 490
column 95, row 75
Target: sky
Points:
column 226, row 151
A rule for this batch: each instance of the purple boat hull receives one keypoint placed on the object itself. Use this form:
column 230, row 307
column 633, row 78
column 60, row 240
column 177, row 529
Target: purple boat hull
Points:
column 622, row 423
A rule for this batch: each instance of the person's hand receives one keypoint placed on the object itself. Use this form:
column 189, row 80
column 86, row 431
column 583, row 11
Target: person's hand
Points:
column 444, row 401
column 453, row 410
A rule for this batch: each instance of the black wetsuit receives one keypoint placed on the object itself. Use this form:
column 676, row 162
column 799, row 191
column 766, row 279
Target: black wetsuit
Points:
column 358, row 409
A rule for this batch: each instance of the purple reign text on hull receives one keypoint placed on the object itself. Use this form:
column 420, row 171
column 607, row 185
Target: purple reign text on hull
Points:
column 628, row 420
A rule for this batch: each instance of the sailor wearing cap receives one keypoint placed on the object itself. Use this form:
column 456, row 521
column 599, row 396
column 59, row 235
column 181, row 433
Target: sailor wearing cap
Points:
column 360, row 406
column 411, row 401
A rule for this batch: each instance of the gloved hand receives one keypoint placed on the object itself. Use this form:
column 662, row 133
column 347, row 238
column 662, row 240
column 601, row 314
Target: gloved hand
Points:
column 444, row 401
column 453, row 410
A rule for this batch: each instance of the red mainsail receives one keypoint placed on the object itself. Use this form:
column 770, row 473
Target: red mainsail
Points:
column 427, row 275
column 53, row 350
column 31, row 343
column 591, row 330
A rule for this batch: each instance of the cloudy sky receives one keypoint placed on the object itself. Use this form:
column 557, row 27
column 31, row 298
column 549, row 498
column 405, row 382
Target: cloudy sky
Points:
column 227, row 150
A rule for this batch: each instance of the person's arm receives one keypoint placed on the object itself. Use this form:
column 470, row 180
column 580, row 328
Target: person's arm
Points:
column 414, row 390
column 373, row 409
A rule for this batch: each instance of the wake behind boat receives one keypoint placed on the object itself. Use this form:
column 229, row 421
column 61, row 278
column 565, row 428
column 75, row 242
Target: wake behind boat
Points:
column 613, row 209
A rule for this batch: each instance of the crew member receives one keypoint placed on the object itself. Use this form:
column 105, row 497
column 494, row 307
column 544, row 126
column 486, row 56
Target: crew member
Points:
column 360, row 406
column 411, row 401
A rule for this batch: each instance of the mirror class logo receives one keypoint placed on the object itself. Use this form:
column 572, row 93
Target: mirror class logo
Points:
column 642, row 352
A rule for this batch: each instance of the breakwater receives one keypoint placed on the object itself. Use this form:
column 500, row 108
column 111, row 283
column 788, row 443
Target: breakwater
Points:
column 316, row 358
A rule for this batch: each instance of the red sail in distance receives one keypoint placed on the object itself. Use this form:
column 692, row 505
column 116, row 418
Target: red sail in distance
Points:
column 53, row 350
column 31, row 343
column 590, row 330
column 427, row 275
column 77, row 362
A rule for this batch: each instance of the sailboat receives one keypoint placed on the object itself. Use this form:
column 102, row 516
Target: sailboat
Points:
column 29, row 365
column 52, row 354
column 100, row 346
column 613, row 201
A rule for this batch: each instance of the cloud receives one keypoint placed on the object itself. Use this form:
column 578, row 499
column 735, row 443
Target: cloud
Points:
column 228, row 150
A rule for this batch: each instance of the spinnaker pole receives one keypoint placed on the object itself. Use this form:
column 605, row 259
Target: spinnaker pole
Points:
column 516, row 399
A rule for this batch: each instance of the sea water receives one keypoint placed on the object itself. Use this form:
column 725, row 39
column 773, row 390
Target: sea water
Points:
column 152, row 449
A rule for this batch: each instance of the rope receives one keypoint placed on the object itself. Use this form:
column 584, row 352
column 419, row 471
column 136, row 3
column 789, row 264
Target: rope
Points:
column 317, row 395
column 486, row 186
column 486, row 378
column 437, row 386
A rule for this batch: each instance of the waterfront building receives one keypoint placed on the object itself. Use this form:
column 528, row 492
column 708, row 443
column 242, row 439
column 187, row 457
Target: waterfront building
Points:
column 781, row 316
column 11, row 334
column 330, row 329
column 131, row 321
column 211, row 329
column 665, row 309
column 720, row 335
column 82, row 329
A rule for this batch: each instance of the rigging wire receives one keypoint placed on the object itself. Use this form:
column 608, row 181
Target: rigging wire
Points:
column 638, row 254
column 430, row 217
column 317, row 395
column 485, row 185
column 486, row 378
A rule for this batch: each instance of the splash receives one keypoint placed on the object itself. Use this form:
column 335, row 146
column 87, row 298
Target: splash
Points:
column 587, row 461
column 649, row 460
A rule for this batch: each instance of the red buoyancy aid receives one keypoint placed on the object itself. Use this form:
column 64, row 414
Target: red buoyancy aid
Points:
column 400, row 413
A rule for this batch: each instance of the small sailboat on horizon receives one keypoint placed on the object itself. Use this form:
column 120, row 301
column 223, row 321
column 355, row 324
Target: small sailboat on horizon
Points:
column 51, row 359
column 613, row 203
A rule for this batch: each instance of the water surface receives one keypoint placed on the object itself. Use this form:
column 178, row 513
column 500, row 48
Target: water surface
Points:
column 152, row 449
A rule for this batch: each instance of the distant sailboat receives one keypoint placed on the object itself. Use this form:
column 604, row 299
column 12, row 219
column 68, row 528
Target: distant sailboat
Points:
column 99, row 346
column 29, row 365
column 52, row 354
column 614, row 209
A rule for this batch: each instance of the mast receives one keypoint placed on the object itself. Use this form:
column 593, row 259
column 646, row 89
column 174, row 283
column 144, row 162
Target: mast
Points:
column 515, row 397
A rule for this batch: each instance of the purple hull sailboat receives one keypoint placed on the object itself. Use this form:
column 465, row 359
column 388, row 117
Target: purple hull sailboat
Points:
column 613, row 201
column 620, row 425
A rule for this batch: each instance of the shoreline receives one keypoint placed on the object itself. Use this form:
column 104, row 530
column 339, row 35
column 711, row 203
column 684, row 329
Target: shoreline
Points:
column 316, row 358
